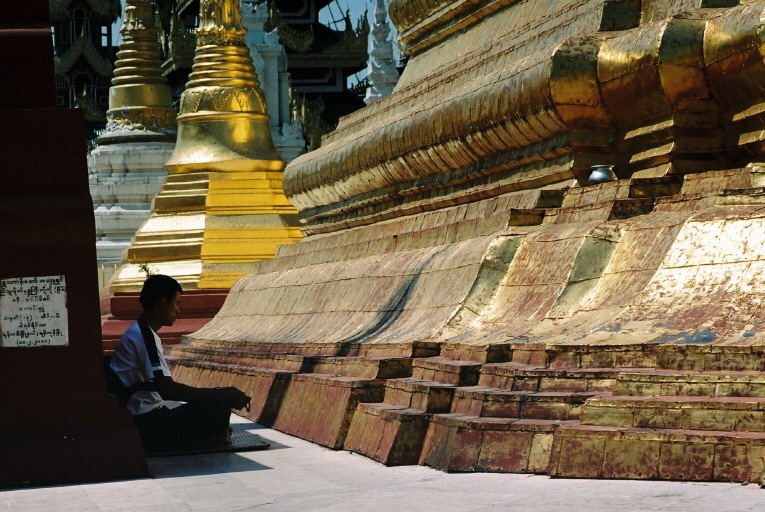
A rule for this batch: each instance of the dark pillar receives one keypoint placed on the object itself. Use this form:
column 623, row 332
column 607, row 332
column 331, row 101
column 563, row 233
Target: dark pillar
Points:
column 57, row 423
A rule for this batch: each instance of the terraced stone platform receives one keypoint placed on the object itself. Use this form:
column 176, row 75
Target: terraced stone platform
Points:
column 520, row 351
column 631, row 422
column 465, row 298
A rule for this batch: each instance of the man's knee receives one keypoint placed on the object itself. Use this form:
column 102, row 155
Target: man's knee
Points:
column 217, row 407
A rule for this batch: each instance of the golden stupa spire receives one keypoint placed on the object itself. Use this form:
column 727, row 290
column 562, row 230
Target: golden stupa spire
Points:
column 223, row 121
column 223, row 205
column 139, row 98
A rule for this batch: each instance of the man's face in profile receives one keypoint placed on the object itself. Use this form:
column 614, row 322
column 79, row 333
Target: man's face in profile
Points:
column 170, row 309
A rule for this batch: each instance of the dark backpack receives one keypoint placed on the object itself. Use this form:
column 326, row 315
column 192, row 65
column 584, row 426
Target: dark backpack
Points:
column 114, row 384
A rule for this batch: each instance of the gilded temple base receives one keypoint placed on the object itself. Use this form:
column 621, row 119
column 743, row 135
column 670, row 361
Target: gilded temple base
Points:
column 557, row 332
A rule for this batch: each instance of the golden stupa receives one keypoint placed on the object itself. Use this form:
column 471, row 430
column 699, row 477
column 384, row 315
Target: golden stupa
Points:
column 223, row 206
column 140, row 102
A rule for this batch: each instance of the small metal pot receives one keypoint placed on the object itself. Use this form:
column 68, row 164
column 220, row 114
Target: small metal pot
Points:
column 601, row 174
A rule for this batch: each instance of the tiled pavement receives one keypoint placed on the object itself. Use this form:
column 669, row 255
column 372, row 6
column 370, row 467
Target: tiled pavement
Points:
column 295, row 475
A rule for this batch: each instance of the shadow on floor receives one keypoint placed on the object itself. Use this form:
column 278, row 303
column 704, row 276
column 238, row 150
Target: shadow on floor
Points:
column 205, row 464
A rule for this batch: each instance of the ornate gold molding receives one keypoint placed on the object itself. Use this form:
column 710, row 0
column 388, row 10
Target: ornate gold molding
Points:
column 223, row 120
column 528, row 98
column 220, row 23
column 140, row 119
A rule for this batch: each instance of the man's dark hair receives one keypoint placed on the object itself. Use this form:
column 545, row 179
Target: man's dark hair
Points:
column 158, row 287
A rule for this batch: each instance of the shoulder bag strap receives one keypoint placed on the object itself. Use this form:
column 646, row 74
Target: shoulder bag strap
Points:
column 151, row 348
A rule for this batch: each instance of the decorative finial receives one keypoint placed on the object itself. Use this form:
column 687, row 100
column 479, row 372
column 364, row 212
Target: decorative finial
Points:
column 382, row 73
column 139, row 98
column 223, row 120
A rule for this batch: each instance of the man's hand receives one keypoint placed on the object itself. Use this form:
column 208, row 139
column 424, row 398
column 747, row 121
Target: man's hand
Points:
column 235, row 398
column 171, row 390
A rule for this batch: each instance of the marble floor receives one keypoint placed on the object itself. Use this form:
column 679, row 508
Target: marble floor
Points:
column 295, row 475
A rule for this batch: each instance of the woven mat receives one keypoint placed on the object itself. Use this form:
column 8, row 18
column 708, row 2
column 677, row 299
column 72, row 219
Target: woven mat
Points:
column 240, row 442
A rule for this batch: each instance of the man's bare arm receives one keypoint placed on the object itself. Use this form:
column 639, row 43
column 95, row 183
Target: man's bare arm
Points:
column 171, row 390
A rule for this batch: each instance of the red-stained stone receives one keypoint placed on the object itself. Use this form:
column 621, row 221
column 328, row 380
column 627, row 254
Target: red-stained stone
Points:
column 505, row 451
column 320, row 407
column 436, row 445
column 391, row 435
column 686, row 461
column 739, row 461
column 488, row 353
column 531, row 353
column 446, row 371
column 578, row 455
column 427, row 396
column 631, row 458
column 456, row 442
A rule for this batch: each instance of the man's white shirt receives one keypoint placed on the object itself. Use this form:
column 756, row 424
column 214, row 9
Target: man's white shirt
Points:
column 131, row 363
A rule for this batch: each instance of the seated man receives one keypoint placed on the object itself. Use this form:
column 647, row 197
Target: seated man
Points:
column 204, row 420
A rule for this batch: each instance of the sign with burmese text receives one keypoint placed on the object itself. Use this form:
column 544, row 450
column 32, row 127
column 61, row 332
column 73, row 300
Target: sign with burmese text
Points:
column 33, row 312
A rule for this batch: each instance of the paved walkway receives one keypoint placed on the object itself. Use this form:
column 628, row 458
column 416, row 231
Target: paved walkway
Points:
column 298, row 476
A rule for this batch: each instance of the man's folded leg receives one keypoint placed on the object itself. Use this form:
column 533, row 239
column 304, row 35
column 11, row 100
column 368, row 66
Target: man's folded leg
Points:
column 198, row 424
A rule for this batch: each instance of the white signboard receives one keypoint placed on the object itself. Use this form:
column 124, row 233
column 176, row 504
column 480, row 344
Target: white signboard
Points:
column 33, row 312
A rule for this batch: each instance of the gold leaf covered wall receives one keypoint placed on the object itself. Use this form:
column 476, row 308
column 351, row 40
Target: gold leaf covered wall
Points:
column 528, row 97
column 613, row 330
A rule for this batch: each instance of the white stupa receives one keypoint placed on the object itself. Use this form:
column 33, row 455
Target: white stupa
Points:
column 126, row 170
column 381, row 71
column 270, row 61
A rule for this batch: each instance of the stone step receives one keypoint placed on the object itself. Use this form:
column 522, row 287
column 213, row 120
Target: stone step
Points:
column 589, row 451
column 390, row 434
column 680, row 351
column 746, row 414
column 502, row 375
column 241, row 356
column 707, row 357
column 363, row 367
column 265, row 386
column 653, row 382
column 656, row 187
column 457, row 442
column 319, row 407
column 446, row 371
column 524, row 377
column 483, row 353
column 499, row 403
column 559, row 357
column 313, row 406
column 419, row 394
column 610, row 209
column 393, row 432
